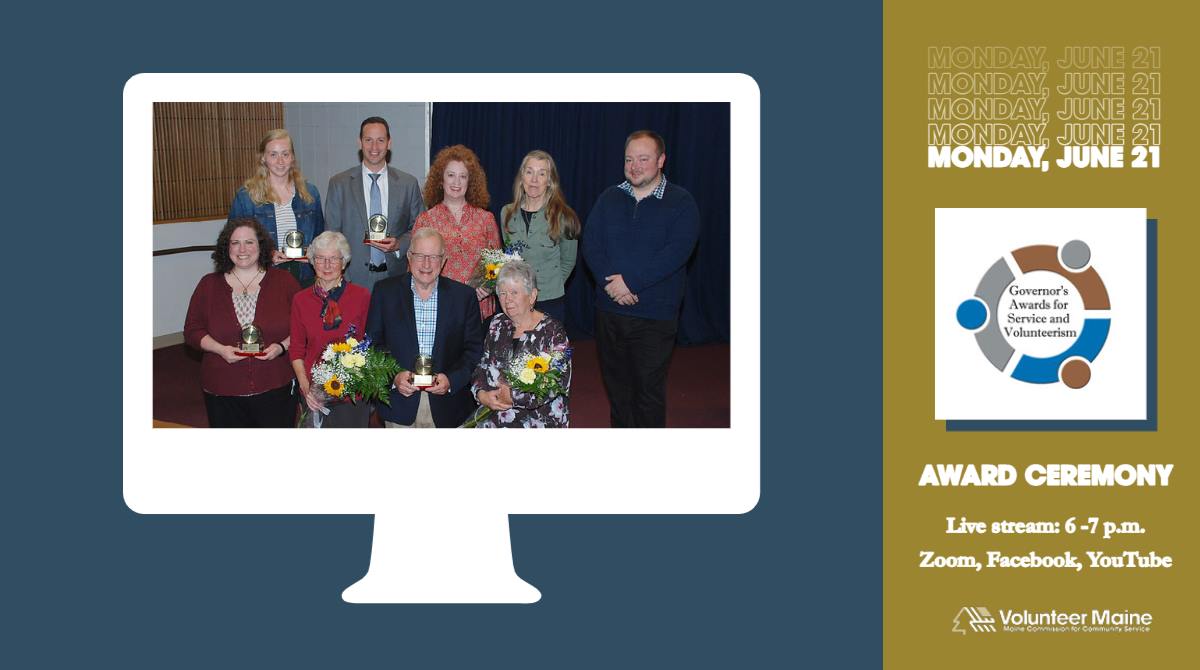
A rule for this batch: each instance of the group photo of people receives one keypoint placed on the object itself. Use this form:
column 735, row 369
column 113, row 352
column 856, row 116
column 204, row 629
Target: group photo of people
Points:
column 537, row 286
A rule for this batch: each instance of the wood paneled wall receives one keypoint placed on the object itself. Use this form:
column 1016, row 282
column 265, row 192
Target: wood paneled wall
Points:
column 203, row 151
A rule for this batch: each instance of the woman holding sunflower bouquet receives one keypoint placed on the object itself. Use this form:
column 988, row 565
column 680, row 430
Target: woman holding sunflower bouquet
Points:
column 526, row 338
column 324, row 314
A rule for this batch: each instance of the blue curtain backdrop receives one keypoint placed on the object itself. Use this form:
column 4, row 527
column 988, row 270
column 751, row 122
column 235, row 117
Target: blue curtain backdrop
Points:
column 587, row 142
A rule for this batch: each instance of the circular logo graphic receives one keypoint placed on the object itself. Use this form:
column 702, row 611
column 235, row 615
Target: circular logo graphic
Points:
column 1046, row 311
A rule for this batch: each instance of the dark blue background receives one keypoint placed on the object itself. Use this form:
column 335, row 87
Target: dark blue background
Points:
column 582, row 138
column 794, row 583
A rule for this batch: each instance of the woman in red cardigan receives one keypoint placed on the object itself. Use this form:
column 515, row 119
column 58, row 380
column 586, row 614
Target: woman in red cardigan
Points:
column 323, row 314
column 240, row 390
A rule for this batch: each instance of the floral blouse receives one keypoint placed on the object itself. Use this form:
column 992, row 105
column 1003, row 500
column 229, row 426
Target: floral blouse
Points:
column 498, row 348
column 464, row 242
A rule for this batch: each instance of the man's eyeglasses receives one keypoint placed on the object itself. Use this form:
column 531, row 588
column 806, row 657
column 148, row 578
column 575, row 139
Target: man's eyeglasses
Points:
column 421, row 258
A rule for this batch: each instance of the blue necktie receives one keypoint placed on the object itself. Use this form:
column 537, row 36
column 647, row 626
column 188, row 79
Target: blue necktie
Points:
column 377, row 257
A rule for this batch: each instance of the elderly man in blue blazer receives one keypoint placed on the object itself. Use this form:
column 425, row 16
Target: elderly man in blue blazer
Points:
column 423, row 313
column 356, row 194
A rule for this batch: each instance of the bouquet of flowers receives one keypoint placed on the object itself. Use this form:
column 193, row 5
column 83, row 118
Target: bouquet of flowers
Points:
column 353, row 370
column 490, row 262
column 540, row 374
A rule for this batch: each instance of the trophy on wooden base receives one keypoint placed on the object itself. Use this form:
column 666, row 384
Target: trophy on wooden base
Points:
column 376, row 228
column 423, row 372
column 293, row 244
column 251, row 342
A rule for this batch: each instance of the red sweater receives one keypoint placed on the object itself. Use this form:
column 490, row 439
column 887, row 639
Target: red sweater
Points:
column 211, row 313
column 309, row 339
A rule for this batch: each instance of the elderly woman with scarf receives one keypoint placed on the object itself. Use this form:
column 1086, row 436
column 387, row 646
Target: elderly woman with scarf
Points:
column 323, row 314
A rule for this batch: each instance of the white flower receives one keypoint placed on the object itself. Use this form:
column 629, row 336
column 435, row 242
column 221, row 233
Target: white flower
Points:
column 328, row 354
column 320, row 374
column 527, row 376
column 353, row 360
column 352, row 342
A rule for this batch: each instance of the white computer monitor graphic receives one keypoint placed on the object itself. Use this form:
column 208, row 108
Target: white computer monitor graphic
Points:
column 441, row 499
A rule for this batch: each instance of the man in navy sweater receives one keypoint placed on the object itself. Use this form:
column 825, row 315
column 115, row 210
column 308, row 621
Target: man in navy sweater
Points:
column 637, row 241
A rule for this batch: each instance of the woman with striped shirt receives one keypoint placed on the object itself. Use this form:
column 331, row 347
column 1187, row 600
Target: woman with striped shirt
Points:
column 279, row 198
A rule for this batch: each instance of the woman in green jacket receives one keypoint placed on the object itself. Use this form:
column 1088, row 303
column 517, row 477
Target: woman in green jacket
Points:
column 540, row 217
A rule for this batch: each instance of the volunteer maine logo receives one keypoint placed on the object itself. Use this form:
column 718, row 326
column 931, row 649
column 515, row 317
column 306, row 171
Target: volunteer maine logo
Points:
column 977, row 619
column 1040, row 314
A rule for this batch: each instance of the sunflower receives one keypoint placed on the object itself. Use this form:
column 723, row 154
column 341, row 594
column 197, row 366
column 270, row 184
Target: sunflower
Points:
column 538, row 364
column 492, row 270
column 334, row 387
column 341, row 347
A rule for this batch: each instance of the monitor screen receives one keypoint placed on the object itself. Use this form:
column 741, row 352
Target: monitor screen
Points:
column 441, row 498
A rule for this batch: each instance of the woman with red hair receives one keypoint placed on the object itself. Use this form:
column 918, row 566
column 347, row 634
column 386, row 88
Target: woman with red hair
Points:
column 456, row 196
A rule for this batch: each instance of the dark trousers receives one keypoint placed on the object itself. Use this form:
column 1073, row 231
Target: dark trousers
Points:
column 341, row 415
column 273, row 409
column 347, row 415
column 556, row 308
column 634, row 356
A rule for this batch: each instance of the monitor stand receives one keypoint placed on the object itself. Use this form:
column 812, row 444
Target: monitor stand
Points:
column 441, row 556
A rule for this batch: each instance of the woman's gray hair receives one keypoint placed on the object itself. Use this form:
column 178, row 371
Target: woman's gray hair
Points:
column 518, row 272
column 330, row 239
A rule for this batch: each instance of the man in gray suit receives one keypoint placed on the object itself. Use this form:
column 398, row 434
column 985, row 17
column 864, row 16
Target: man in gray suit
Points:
column 355, row 195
